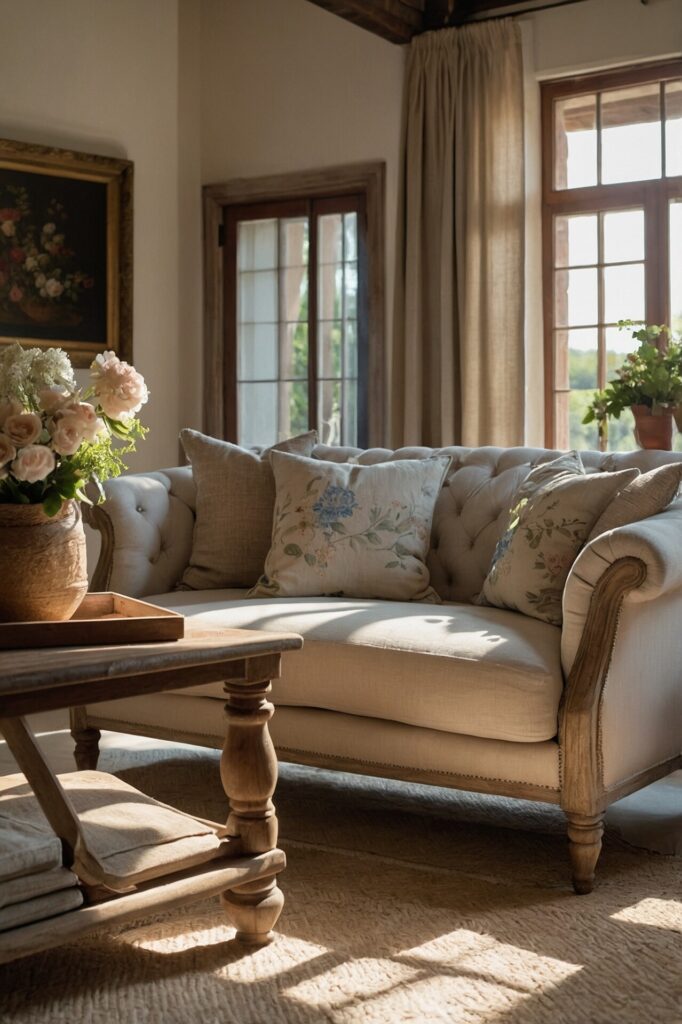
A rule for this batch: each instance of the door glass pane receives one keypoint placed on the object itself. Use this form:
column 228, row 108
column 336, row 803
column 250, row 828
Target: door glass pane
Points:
column 330, row 334
column 256, row 244
column 257, row 297
column 676, row 266
column 257, row 348
column 293, row 409
column 293, row 293
column 624, row 292
column 631, row 134
column 293, row 234
column 581, row 362
column 575, row 240
column 329, row 411
column 330, row 291
column 575, row 298
column 293, row 355
column 623, row 236
column 257, row 415
column 330, row 238
column 575, row 142
column 673, row 128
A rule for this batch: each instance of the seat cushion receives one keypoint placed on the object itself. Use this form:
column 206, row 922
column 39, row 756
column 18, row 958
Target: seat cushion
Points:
column 458, row 668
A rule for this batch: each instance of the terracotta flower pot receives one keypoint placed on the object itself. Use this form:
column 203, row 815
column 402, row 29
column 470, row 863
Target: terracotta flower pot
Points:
column 43, row 565
column 653, row 430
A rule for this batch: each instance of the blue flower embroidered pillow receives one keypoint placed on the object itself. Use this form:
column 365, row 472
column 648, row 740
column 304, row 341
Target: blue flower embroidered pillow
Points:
column 352, row 531
column 552, row 515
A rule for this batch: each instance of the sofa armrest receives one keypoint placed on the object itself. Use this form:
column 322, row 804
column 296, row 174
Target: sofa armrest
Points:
column 146, row 523
column 656, row 542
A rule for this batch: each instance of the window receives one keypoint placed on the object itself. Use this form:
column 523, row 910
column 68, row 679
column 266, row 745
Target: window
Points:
column 295, row 307
column 612, row 226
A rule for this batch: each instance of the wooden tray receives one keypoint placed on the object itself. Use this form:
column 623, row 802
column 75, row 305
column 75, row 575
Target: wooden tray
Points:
column 101, row 619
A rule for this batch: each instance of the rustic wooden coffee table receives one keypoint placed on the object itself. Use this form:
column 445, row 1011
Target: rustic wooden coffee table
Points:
column 244, row 870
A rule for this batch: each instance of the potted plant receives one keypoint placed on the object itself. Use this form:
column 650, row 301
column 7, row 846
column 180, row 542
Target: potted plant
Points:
column 649, row 382
column 55, row 438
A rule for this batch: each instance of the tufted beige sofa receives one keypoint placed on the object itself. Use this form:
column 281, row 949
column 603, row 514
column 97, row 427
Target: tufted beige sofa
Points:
column 454, row 694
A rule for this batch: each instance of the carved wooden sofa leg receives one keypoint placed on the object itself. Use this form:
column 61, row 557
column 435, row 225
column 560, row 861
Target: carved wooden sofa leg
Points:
column 86, row 739
column 584, row 839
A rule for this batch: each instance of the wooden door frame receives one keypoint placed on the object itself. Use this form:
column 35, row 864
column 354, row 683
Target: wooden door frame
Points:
column 367, row 179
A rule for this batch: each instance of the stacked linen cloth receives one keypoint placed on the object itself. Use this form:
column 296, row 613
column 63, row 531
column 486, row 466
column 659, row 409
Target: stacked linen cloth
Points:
column 33, row 883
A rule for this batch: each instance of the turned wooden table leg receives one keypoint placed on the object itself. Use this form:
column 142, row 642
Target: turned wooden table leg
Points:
column 86, row 750
column 248, row 769
column 584, row 838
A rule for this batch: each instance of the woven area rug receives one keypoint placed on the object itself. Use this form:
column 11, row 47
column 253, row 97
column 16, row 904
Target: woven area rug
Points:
column 403, row 903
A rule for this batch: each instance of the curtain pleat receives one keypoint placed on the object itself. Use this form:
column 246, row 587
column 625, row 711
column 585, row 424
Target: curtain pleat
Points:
column 457, row 360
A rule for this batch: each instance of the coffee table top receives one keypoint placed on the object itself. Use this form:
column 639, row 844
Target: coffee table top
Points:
column 87, row 674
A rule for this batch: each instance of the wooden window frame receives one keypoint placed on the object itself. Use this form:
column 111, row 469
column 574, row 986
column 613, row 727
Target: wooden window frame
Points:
column 653, row 195
column 366, row 180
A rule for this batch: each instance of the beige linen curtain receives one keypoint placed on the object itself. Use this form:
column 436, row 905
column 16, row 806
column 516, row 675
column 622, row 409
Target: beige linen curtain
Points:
column 457, row 360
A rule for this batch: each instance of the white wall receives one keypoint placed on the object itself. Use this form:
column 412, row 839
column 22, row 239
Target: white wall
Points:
column 593, row 35
column 102, row 77
column 287, row 86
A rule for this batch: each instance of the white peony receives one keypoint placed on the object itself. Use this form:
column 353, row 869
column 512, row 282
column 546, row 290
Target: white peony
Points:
column 119, row 388
column 53, row 288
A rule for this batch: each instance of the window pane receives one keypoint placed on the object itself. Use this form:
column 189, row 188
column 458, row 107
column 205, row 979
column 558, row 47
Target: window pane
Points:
column 618, row 344
column 582, row 359
column 330, row 291
column 623, row 236
column 676, row 265
column 631, row 134
column 575, row 294
column 581, row 435
column 294, row 242
column 330, row 333
column 624, row 292
column 350, row 412
column 293, row 293
column 621, row 433
column 256, row 244
column 257, row 415
column 329, row 238
column 673, row 128
column 257, row 297
column 575, row 140
column 575, row 240
column 329, row 411
column 293, row 409
column 294, row 351
column 257, row 352
column 350, row 228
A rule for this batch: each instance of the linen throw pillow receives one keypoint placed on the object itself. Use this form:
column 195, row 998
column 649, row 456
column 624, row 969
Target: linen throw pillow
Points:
column 551, row 516
column 352, row 531
column 647, row 495
column 235, row 502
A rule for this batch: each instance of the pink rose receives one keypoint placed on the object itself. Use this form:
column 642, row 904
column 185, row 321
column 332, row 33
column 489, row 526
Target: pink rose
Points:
column 120, row 389
column 15, row 293
column 67, row 433
column 90, row 423
column 7, row 450
column 52, row 399
column 23, row 428
column 33, row 463
column 9, row 407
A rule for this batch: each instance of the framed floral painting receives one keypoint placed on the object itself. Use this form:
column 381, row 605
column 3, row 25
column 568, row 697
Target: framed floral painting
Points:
column 66, row 226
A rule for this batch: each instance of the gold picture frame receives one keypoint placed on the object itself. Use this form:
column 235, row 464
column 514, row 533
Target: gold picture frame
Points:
column 66, row 251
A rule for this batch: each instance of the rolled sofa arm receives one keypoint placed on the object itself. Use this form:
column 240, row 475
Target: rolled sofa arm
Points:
column 656, row 542
column 146, row 523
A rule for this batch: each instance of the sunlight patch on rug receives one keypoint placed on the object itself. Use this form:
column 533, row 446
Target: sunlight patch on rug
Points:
column 654, row 912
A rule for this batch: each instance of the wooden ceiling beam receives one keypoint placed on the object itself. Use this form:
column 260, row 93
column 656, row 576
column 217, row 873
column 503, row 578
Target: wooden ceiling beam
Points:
column 395, row 20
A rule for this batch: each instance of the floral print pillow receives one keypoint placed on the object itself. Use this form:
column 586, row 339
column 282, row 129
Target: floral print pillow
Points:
column 553, row 513
column 348, row 530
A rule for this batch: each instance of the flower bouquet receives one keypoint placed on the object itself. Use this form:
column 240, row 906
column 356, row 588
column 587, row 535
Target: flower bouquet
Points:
column 56, row 438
